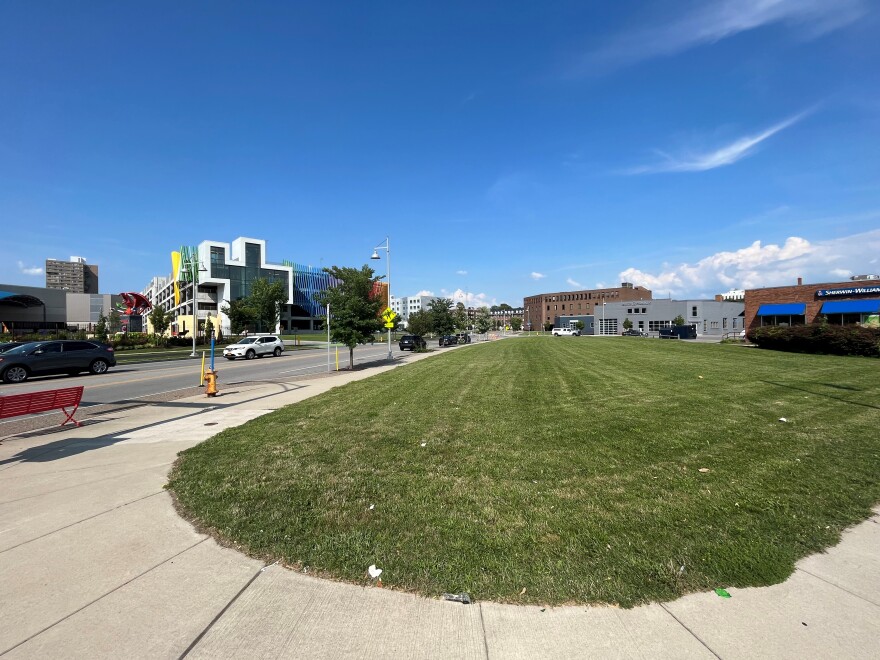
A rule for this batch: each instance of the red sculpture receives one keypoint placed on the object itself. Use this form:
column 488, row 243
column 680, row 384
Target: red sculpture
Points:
column 135, row 303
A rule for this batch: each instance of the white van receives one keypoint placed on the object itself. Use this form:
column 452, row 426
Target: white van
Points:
column 566, row 332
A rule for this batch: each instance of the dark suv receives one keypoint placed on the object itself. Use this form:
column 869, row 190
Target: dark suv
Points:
column 40, row 358
column 448, row 340
column 463, row 338
column 632, row 332
column 412, row 342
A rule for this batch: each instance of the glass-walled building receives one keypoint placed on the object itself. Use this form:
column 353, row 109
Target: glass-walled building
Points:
column 226, row 272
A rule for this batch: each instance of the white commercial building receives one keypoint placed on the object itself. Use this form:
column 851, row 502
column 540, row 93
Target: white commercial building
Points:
column 410, row 305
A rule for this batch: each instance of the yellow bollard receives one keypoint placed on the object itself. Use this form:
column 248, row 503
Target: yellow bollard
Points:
column 337, row 358
column 211, row 379
column 202, row 377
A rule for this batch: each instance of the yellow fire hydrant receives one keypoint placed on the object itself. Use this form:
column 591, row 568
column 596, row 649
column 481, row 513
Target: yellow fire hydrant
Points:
column 211, row 383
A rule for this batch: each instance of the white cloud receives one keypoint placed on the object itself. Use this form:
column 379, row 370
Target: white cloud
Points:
column 712, row 22
column 726, row 155
column 34, row 270
column 424, row 292
column 471, row 299
column 760, row 265
column 537, row 276
column 461, row 272
column 571, row 282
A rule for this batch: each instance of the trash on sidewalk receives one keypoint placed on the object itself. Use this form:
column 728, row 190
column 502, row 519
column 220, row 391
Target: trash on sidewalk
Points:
column 723, row 593
column 463, row 598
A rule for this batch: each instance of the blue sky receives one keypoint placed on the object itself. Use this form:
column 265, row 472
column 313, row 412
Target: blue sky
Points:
column 507, row 148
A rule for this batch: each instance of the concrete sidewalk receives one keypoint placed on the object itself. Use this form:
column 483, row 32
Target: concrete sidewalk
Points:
column 95, row 563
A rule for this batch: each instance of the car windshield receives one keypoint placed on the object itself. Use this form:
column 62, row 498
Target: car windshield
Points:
column 23, row 349
column 247, row 340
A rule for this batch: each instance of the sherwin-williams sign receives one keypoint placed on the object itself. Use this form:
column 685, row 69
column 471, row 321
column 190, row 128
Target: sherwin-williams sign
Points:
column 852, row 291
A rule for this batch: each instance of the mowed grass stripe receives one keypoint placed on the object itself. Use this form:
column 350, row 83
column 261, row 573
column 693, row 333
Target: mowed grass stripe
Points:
column 568, row 467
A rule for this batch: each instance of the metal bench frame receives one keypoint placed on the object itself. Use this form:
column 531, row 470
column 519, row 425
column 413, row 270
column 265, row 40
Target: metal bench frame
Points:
column 32, row 403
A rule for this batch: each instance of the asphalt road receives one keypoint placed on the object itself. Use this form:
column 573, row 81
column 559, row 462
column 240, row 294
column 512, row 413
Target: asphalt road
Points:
column 126, row 382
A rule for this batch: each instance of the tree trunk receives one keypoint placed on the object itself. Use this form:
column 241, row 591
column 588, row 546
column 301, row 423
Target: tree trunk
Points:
column 350, row 358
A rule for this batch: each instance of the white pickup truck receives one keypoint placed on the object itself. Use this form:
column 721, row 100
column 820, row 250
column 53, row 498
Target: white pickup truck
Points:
column 566, row 332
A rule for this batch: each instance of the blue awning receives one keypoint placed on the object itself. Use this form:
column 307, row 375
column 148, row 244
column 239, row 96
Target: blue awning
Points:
column 787, row 309
column 851, row 307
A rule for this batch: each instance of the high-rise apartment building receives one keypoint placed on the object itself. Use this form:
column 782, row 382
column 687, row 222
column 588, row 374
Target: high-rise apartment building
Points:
column 75, row 275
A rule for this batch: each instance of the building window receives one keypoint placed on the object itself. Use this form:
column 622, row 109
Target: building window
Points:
column 724, row 323
column 694, row 311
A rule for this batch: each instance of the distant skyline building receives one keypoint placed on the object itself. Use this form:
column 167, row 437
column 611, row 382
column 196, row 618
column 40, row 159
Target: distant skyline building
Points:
column 74, row 275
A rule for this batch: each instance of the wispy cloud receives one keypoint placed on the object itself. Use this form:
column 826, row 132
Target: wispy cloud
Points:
column 33, row 270
column 571, row 282
column 709, row 160
column 760, row 265
column 424, row 292
column 711, row 22
column 471, row 299
column 461, row 272
column 537, row 276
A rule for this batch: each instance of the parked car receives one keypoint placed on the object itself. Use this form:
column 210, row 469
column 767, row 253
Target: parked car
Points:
column 679, row 332
column 566, row 332
column 251, row 347
column 632, row 332
column 412, row 342
column 463, row 338
column 41, row 358
column 448, row 340
column 8, row 346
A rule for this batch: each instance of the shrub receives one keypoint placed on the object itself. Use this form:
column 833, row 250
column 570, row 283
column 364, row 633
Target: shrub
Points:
column 819, row 338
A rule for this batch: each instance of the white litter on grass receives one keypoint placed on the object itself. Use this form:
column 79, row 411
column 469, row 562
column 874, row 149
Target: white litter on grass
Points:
column 782, row 419
column 704, row 470
column 372, row 506
column 373, row 571
column 424, row 444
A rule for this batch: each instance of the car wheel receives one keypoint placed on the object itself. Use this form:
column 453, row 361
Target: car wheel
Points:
column 249, row 355
column 277, row 352
column 15, row 374
column 98, row 367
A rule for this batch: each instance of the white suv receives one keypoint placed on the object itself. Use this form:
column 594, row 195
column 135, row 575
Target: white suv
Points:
column 251, row 347
column 566, row 332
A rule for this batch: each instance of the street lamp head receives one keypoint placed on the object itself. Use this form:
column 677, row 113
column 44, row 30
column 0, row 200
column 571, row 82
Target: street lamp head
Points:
column 375, row 255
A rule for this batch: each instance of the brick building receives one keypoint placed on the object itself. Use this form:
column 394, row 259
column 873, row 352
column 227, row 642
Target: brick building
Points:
column 545, row 307
column 841, row 303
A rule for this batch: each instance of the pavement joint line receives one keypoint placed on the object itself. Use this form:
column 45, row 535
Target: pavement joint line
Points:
column 483, row 628
column 114, row 589
column 837, row 586
column 55, row 531
column 85, row 483
column 695, row 635
column 223, row 611
column 87, row 467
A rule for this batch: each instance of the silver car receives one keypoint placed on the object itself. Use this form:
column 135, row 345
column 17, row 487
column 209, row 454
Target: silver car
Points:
column 251, row 347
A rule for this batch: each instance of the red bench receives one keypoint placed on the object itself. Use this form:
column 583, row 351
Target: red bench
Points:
column 38, row 402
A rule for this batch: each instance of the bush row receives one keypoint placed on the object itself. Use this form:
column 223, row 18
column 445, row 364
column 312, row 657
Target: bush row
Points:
column 819, row 338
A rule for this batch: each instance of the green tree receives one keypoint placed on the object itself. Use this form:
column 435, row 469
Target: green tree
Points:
column 580, row 325
column 460, row 317
column 483, row 322
column 354, row 310
column 678, row 320
column 441, row 316
column 516, row 323
column 115, row 321
column 548, row 326
column 266, row 299
column 101, row 327
column 419, row 323
column 241, row 314
column 159, row 320
column 627, row 324
column 208, row 327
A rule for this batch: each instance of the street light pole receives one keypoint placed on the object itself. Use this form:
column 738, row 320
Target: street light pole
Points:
column 375, row 255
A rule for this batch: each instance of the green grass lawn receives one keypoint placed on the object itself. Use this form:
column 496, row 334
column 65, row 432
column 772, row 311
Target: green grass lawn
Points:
column 555, row 470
